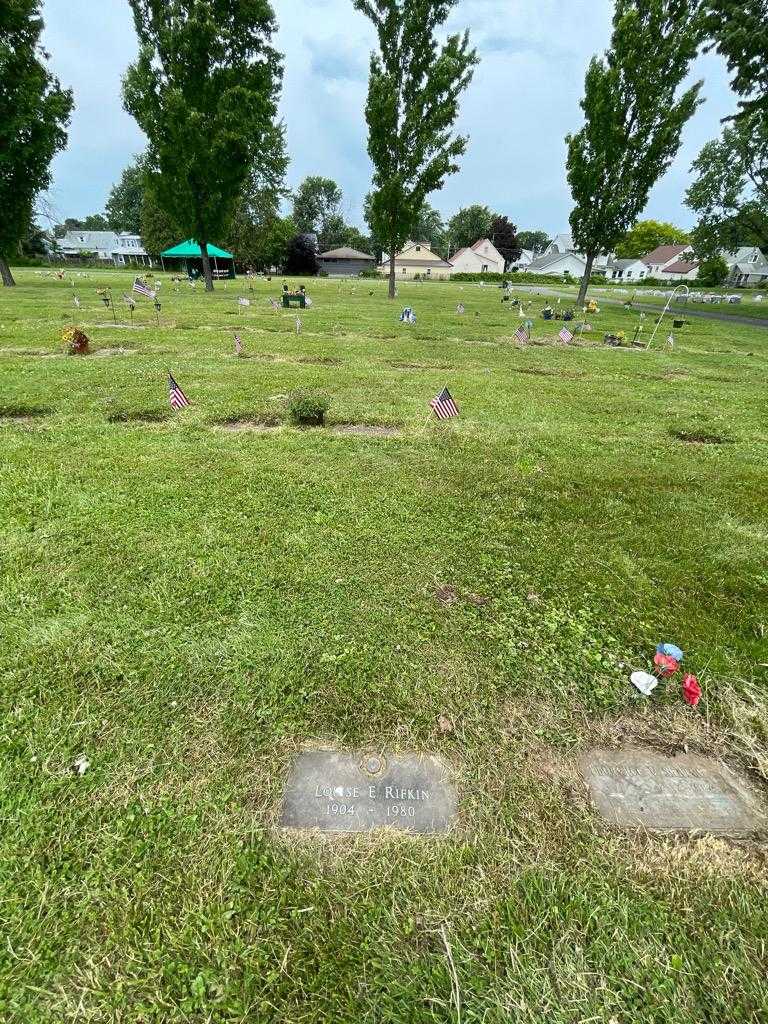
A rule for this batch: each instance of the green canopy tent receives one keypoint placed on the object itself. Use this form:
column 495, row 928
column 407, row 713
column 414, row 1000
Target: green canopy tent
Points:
column 192, row 255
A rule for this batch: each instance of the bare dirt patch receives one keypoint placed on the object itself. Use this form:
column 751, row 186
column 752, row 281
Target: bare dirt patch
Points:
column 366, row 430
column 22, row 413
column 700, row 437
column 250, row 425
column 151, row 416
column 446, row 594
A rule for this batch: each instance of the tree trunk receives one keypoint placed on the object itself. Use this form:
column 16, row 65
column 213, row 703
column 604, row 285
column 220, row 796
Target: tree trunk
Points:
column 392, row 275
column 206, row 266
column 5, row 274
column 585, row 279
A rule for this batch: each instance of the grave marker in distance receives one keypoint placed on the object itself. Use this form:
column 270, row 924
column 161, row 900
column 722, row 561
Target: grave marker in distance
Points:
column 337, row 792
column 637, row 788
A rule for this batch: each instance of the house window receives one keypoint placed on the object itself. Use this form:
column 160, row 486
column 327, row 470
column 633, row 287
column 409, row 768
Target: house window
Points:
column 404, row 269
column 629, row 273
column 429, row 271
column 485, row 268
column 418, row 248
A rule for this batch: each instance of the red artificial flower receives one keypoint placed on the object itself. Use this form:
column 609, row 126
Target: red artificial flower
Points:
column 691, row 690
column 666, row 663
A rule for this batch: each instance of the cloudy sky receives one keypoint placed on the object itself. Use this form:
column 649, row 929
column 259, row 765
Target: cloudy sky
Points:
column 522, row 101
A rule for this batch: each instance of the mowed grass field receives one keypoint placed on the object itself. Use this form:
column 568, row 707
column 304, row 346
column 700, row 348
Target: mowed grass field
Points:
column 188, row 605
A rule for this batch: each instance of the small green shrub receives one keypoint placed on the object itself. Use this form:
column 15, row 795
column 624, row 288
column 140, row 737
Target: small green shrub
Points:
column 307, row 408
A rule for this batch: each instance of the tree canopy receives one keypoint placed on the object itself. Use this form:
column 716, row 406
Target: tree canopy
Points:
column 429, row 227
column 315, row 201
column 503, row 234
column 646, row 235
column 633, row 120
column 534, row 241
column 739, row 30
column 34, row 115
column 730, row 193
column 204, row 89
column 123, row 207
column 413, row 102
column 468, row 225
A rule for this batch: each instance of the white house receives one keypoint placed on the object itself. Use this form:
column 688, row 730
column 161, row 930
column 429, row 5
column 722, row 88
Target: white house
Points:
column 664, row 256
column 109, row 246
column 481, row 258
column 416, row 258
column 567, row 264
column 626, row 270
column 523, row 261
column 563, row 243
column 681, row 271
column 747, row 265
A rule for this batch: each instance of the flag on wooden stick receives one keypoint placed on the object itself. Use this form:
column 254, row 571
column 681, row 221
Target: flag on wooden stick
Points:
column 443, row 405
column 565, row 336
column 177, row 397
column 238, row 345
column 522, row 335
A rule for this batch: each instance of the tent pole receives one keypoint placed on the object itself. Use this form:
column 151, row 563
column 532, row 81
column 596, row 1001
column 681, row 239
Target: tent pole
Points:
column 162, row 264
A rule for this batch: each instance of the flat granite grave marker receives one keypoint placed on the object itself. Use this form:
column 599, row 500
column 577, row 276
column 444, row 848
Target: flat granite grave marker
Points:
column 644, row 789
column 338, row 792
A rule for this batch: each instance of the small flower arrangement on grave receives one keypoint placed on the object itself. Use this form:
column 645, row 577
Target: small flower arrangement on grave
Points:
column 307, row 408
column 77, row 342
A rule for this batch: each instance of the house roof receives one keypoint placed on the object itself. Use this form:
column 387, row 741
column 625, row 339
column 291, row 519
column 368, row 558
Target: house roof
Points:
column 72, row 237
column 752, row 269
column 439, row 264
column 556, row 257
column 681, row 267
column 459, row 252
column 622, row 264
column 479, row 242
column 663, row 254
column 345, row 253
column 562, row 241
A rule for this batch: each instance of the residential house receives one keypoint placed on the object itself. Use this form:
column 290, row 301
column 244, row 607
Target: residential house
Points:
column 523, row 261
column 563, row 243
column 567, row 264
column 747, row 266
column 626, row 270
column 681, row 271
column 345, row 262
column 417, row 259
column 481, row 258
column 664, row 256
column 120, row 249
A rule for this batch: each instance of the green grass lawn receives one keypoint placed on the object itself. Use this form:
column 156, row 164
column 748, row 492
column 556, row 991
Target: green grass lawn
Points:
column 188, row 606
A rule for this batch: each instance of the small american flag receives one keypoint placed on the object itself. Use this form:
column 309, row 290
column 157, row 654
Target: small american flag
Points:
column 565, row 335
column 522, row 335
column 443, row 406
column 76, row 301
column 298, row 325
column 128, row 300
column 238, row 345
column 243, row 302
column 177, row 397
column 142, row 289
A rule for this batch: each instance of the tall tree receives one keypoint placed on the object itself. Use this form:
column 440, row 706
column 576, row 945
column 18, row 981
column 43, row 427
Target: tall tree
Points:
column 315, row 201
column 258, row 206
column 123, row 207
column 633, row 120
column 204, row 89
column 429, row 227
column 730, row 193
column 468, row 225
column 534, row 241
column 504, row 237
column 301, row 255
column 739, row 30
column 34, row 115
column 646, row 235
column 413, row 102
